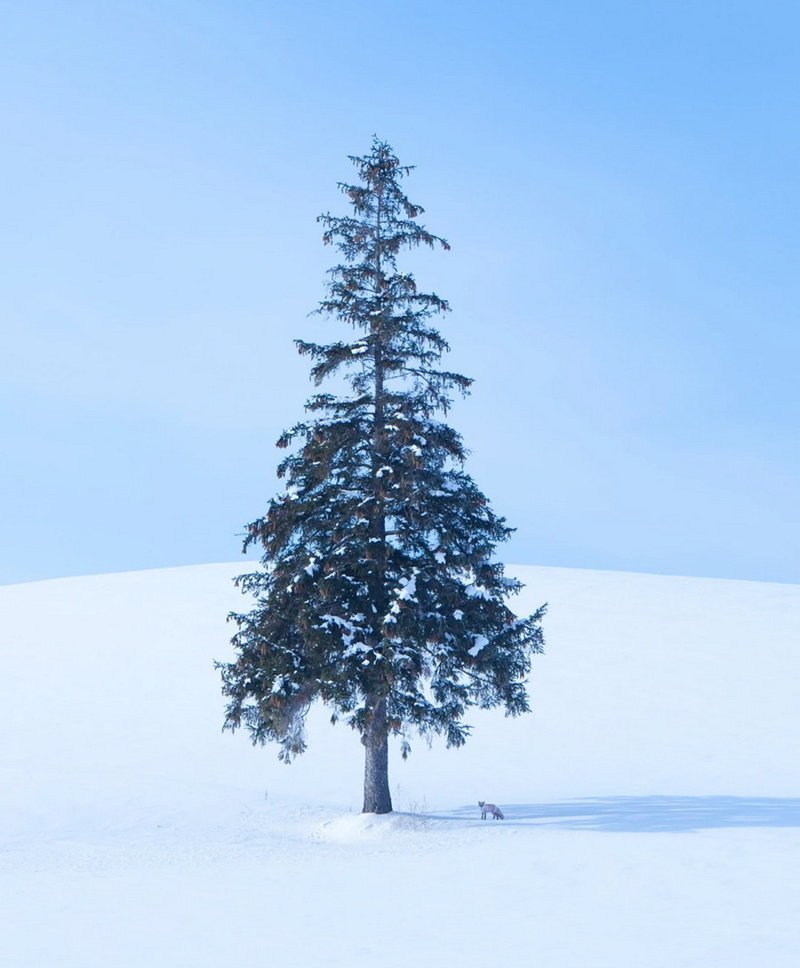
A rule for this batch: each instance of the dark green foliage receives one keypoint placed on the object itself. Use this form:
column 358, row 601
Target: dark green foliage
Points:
column 378, row 593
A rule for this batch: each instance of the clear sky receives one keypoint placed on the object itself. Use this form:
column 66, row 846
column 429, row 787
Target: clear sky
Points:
column 619, row 183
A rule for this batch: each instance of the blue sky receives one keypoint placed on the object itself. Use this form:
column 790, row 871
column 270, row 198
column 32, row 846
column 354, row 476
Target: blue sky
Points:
column 619, row 185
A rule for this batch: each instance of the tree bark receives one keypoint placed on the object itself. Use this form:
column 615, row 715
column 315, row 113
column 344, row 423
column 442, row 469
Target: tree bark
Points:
column 377, row 798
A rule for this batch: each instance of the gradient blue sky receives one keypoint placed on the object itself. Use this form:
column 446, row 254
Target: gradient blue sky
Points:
column 619, row 183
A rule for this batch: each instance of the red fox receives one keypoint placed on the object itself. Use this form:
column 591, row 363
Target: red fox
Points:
column 492, row 808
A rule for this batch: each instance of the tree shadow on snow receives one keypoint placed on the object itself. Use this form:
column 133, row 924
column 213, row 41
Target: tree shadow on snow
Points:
column 654, row 814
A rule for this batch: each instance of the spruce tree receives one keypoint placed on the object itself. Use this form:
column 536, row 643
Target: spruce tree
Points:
column 378, row 593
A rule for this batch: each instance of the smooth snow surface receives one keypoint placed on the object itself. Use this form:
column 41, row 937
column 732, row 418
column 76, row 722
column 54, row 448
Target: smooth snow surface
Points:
column 652, row 799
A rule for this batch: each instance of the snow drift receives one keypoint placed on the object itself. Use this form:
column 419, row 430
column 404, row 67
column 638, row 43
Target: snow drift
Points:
column 665, row 713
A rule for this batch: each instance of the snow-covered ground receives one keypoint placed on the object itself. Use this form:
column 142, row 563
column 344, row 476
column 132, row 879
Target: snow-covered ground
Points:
column 652, row 799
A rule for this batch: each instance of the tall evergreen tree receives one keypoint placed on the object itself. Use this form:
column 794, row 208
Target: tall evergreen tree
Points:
column 379, row 593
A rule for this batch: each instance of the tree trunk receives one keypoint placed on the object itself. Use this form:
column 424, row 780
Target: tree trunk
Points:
column 377, row 798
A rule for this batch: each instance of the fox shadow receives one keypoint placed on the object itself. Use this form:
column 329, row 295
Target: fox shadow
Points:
column 651, row 814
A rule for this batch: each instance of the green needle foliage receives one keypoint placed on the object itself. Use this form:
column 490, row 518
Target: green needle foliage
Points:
column 379, row 592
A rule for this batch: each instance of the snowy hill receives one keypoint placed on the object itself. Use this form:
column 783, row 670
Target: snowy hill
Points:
column 650, row 798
